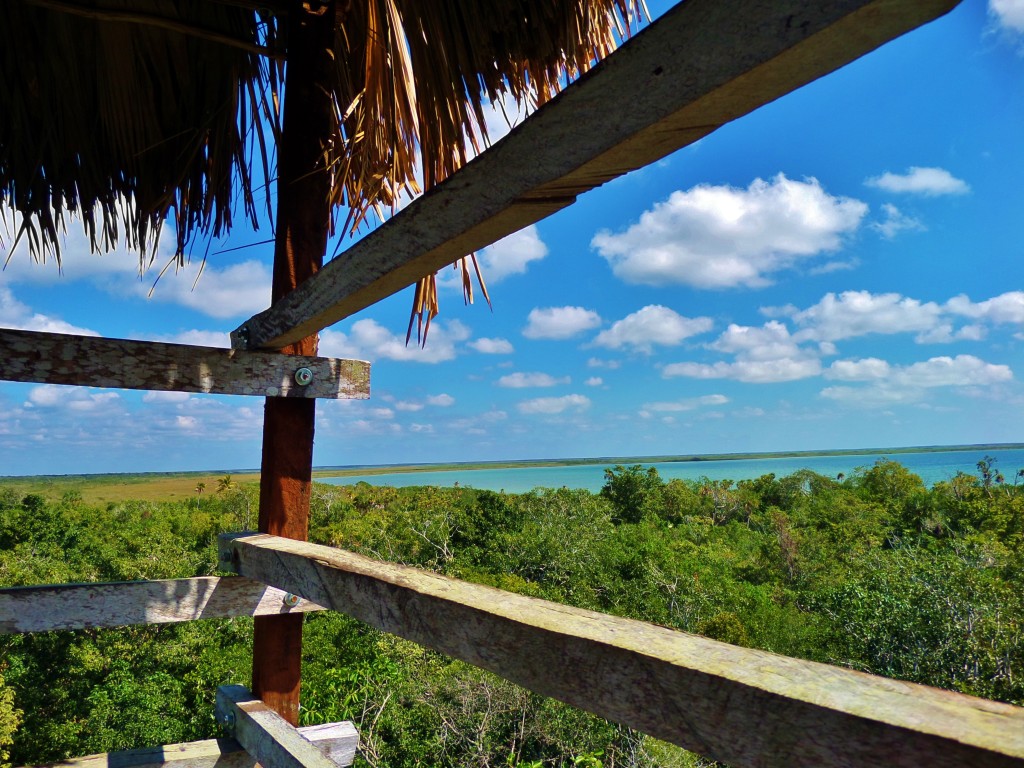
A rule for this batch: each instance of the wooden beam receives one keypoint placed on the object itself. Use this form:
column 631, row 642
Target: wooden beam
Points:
column 703, row 64
column 58, row 358
column 119, row 604
column 338, row 740
column 736, row 705
column 264, row 734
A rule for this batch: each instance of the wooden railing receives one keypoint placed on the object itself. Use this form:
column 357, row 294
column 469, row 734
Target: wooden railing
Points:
column 741, row 706
column 123, row 603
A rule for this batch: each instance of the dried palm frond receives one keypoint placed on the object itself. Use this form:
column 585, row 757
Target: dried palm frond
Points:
column 430, row 71
column 125, row 124
column 127, row 112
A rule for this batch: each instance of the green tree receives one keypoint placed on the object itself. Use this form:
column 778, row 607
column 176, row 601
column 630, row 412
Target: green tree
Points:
column 633, row 492
column 10, row 718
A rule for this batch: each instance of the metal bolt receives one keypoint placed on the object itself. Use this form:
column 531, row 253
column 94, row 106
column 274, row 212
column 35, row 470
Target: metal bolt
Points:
column 291, row 600
column 243, row 335
column 303, row 377
column 228, row 721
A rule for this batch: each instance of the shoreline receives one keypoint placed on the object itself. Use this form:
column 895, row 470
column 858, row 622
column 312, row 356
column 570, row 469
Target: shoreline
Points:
column 398, row 469
column 106, row 488
column 245, row 475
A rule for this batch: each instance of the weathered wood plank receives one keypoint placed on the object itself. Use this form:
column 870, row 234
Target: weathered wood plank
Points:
column 118, row 604
column 741, row 706
column 57, row 358
column 338, row 740
column 264, row 734
column 703, row 64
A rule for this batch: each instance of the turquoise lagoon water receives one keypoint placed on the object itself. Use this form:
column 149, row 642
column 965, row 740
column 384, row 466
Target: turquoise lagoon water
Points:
column 931, row 466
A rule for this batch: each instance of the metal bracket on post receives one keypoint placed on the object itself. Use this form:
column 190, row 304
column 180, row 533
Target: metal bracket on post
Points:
column 267, row 737
column 227, row 556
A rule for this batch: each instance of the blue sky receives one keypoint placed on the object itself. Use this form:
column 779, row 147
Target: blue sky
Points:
column 840, row 269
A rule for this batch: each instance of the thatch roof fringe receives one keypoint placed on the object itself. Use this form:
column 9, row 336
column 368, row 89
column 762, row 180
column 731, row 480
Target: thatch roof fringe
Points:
column 125, row 113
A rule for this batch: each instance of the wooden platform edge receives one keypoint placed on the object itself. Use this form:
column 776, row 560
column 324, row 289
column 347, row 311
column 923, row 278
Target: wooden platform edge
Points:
column 264, row 734
column 339, row 741
column 92, row 361
column 736, row 705
column 118, row 604
column 704, row 63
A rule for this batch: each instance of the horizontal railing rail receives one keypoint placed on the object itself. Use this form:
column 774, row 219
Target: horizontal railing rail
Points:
column 738, row 705
column 92, row 361
column 123, row 603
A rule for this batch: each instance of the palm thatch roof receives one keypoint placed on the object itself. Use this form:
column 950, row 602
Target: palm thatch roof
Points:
column 126, row 113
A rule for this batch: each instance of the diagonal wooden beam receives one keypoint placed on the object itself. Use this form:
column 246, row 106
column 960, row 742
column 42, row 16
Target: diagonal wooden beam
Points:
column 92, row 361
column 264, row 734
column 703, row 64
column 737, row 705
column 123, row 603
column 338, row 740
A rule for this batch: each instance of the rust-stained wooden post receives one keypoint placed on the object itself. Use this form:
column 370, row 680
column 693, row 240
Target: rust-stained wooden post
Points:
column 303, row 215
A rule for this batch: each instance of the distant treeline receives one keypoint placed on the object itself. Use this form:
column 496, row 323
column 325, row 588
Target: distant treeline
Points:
column 873, row 571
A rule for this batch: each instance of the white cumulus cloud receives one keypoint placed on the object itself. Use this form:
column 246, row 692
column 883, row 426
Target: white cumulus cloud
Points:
column 687, row 404
column 722, row 236
column 1005, row 308
column 772, row 341
column 237, row 290
column 866, row 369
column 512, row 254
column 14, row 314
column 762, row 355
column 895, row 221
column 749, row 371
column 858, row 313
column 165, row 397
column 408, row 406
column 522, row 380
column 1008, row 13
column 194, row 337
column 81, row 399
column 491, row 346
column 890, row 384
column 654, row 324
column 550, row 405
column 560, row 322
column 962, row 370
column 930, row 182
column 369, row 340
column 945, row 334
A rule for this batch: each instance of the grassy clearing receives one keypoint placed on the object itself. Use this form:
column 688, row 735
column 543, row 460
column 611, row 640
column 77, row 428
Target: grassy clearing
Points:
column 101, row 489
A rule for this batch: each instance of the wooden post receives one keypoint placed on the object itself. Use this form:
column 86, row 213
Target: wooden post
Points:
column 303, row 219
